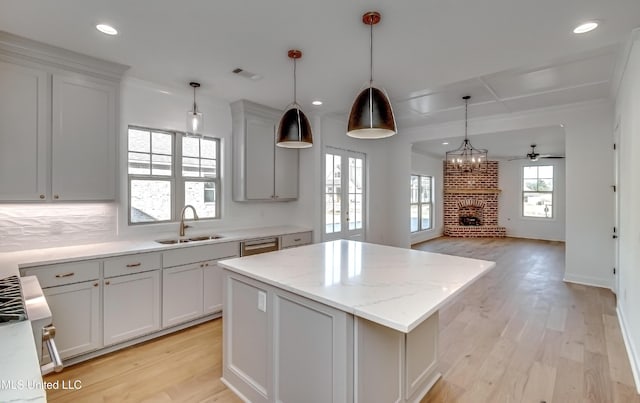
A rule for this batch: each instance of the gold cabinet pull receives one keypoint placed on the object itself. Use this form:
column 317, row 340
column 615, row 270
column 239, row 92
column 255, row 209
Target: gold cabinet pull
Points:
column 65, row 275
column 56, row 197
column 42, row 196
column 134, row 264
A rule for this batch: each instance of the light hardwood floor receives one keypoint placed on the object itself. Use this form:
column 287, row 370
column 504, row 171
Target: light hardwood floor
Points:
column 518, row 334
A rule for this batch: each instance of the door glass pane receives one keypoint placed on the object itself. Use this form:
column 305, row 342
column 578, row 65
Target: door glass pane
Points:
column 357, row 216
column 150, row 200
column 425, row 217
column 414, row 217
column 201, row 195
column 530, row 184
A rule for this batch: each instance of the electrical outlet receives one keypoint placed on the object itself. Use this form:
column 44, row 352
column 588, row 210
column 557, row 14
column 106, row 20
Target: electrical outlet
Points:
column 262, row 301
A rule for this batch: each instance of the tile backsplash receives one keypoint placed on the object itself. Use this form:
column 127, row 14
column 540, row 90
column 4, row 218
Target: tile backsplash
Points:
column 30, row 226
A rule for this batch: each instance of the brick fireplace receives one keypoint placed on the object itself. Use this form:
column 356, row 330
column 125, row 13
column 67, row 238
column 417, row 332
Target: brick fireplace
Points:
column 471, row 203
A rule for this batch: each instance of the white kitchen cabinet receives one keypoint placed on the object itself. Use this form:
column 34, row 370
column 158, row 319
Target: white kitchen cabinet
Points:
column 182, row 294
column 131, row 306
column 295, row 240
column 212, row 287
column 23, row 133
column 58, row 123
column 262, row 171
column 83, row 138
column 77, row 317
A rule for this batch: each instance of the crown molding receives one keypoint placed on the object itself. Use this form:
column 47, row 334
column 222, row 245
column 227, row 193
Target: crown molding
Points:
column 14, row 46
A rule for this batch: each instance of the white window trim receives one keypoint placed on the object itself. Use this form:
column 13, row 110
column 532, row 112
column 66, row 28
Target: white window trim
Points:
column 176, row 179
column 553, row 194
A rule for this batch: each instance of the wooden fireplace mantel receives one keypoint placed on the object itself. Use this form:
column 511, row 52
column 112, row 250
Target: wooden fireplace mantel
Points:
column 471, row 191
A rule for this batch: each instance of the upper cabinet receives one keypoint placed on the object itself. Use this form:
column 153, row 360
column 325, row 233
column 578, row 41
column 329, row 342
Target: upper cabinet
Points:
column 83, row 139
column 58, row 123
column 24, row 129
column 261, row 170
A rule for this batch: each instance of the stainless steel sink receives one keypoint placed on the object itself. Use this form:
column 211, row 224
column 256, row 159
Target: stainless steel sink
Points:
column 172, row 241
column 205, row 237
column 191, row 239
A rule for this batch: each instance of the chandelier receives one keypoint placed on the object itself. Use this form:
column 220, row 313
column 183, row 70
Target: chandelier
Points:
column 466, row 158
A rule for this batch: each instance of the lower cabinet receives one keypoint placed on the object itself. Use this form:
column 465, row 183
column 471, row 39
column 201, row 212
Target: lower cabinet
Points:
column 131, row 306
column 190, row 291
column 77, row 317
column 181, row 294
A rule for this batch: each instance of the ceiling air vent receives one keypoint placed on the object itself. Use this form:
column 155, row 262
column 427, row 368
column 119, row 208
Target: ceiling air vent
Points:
column 246, row 74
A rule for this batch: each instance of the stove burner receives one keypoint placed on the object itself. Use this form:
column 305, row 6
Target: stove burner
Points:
column 12, row 307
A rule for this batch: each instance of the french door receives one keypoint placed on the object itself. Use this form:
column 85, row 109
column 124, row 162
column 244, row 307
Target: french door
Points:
column 344, row 195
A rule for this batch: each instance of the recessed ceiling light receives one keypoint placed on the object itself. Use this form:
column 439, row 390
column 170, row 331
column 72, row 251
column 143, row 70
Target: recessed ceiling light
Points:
column 445, row 143
column 316, row 103
column 107, row 29
column 586, row 27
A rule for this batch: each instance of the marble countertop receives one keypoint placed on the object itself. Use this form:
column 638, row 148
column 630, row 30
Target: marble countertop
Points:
column 20, row 368
column 394, row 287
column 10, row 262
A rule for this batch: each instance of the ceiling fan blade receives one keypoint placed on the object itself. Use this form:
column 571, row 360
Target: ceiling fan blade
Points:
column 551, row 156
column 517, row 158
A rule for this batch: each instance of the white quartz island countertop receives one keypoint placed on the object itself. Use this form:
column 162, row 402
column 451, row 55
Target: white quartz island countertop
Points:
column 395, row 287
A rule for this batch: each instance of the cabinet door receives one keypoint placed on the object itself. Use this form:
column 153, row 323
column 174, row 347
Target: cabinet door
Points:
column 76, row 316
column 286, row 173
column 23, row 133
column 131, row 306
column 212, row 276
column 259, row 158
column 181, row 294
column 83, row 140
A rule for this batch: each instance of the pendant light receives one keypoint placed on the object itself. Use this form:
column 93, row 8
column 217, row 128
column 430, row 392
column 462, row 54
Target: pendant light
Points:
column 195, row 120
column 371, row 115
column 294, row 130
column 466, row 158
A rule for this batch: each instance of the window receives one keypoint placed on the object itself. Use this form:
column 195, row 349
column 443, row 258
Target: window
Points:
column 537, row 191
column 421, row 202
column 165, row 175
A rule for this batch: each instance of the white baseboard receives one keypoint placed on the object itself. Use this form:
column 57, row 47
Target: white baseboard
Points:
column 586, row 280
column 634, row 360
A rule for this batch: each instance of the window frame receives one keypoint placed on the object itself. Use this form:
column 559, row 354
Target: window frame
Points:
column 551, row 217
column 176, row 179
column 420, row 203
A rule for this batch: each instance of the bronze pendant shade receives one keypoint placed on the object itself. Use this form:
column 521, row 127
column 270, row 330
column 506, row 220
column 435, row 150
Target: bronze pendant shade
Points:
column 371, row 115
column 294, row 129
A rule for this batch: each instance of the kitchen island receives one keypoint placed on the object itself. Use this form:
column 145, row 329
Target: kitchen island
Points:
column 340, row 321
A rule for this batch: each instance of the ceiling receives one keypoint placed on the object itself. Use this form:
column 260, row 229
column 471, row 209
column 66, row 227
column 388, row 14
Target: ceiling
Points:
column 504, row 145
column 509, row 55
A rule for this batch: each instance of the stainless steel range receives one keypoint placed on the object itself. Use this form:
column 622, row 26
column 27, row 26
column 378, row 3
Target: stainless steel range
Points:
column 21, row 298
column 12, row 307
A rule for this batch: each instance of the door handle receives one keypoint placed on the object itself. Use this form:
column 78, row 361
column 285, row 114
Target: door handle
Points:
column 615, row 237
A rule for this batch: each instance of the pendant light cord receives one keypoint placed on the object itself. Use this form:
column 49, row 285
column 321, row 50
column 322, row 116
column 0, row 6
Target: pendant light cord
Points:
column 371, row 54
column 466, row 119
column 195, row 110
column 295, row 101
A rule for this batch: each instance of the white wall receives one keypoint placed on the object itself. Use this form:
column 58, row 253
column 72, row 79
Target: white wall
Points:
column 430, row 166
column 510, row 202
column 143, row 104
column 628, row 118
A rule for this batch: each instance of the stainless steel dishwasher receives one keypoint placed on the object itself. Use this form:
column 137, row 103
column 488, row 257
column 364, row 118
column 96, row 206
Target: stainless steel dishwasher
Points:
column 256, row 246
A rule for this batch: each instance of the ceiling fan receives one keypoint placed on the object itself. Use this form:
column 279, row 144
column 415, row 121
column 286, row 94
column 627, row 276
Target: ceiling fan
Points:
column 534, row 156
